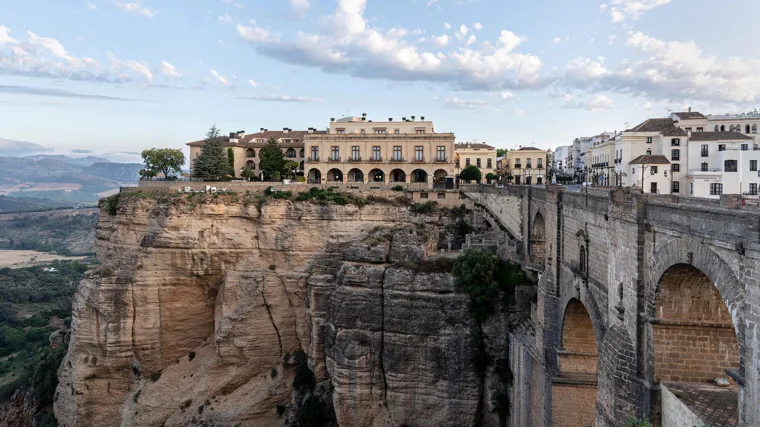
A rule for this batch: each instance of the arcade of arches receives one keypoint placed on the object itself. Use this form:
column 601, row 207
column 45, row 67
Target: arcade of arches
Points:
column 359, row 174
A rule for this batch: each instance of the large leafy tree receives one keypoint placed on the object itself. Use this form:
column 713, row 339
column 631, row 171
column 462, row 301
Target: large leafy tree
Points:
column 212, row 164
column 486, row 278
column 470, row 173
column 162, row 160
column 289, row 168
column 271, row 159
column 501, row 152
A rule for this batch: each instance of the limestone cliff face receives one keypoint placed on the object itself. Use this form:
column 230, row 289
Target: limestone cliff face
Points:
column 198, row 310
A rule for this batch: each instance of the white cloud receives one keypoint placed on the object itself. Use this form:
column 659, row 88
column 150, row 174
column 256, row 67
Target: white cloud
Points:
column 431, row 3
column 283, row 98
column 252, row 83
column 446, row 26
column 611, row 39
column 169, row 70
column 557, row 40
column 621, row 10
column 300, row 7
column 443, row 40
column 91, row 6
column 506, row 95
column 221, row 43
column 219, row 78
column 234, row 3
column 133, row 7
column 599, row 103
column 478, row 26
column 350, row 45
column 225, row 19
column 518, row 112
column 44, row 57
column 463, row 104
column 585, row 69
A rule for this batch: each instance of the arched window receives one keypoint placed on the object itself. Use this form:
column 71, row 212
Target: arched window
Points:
column 722, row 128
column 582, row 259
column 717, row 128
column 290, row 153
column 746, row 129
column 754, row 128
column 250, row 153
column 250, row 164
column 301, row 155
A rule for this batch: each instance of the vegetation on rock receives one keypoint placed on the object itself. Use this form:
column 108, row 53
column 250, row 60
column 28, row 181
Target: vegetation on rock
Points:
column 485, row 277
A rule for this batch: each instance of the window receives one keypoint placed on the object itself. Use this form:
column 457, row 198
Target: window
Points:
column 653, row 169
column 517, row 179
column 355, row 153
column 340, row 131
column 290, row 153
column 691, row 188
column 423, row 195
column 745, row 147
column 441, row 195
column 478, row 162
column 675, row 167
column 418, row 153
column 754, row 128
column 676, row 188
column 488, row 163
column 721, row 147
column 704, row 151
column 753, row 188
column 717, row 128
column 314, row 154
column 420, row 131
column 396, row 131
column 540, row 163
column 753, row 165
column 539, row 180
column 441, row 153
column 467, row 162
column 335, row 153
column 379, row 131
column 363, row 132
column 675, row 141
column 653, row 188
column 716, row 189
column 649, row 140
column 746, row 129
column 688, row 129
column 704, row 167
column 675, row 154
column 722, row 128
column 649, row 151
column 582, row 259
column 730, row 166
column 376, row 152
column 527, row 163
column 396, row 152
column 250, row 153
column 700, row 129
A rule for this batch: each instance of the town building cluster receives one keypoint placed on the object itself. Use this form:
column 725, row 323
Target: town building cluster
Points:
column 687, row 153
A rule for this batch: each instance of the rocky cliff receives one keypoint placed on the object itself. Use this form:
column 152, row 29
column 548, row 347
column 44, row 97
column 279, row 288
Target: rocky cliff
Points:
column 226, row 311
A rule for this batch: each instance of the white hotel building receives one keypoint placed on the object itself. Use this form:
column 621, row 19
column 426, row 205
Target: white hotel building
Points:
column 682, row 154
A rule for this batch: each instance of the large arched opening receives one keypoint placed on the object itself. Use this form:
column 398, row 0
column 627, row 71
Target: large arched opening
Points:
column 315, row 176
column 574, row 388
column 419, row 176
column 290, row 153
column 250, row 153
column 397, row 175
column 694, row 344
column 376, row 175
column 334, row 175
column 355, row 175
column 538, row 239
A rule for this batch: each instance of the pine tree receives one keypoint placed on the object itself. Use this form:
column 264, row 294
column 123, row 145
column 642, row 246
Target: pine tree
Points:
column 272, row 159
column 212, row 164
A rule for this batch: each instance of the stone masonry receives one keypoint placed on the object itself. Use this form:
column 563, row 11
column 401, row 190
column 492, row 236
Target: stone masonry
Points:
column 633, row 290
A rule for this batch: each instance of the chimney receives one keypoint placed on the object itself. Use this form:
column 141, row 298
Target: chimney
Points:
column 690, row 109
column 261, row 129
column 390, row 119
column 241, row 133
column 403, row 119
column 332, row 119
column 412, row 118
column 311, row 130
column 422, row 118
column 285, row 130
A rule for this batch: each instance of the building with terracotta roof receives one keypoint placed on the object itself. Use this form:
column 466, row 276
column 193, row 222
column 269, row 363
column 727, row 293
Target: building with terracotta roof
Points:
column 481, row 155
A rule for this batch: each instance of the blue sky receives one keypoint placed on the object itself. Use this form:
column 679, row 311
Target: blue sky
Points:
column 118, row 76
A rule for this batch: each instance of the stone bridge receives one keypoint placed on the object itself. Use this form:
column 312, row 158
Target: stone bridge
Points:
column 645, row 303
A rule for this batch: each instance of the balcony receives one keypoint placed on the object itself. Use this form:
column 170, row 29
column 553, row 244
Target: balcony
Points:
column 397, row 159
column 313, row 159
column 518, row 166
column 713, row 170
column 333, row 159
column 376, row 159
column 420, row 159
column 354, row 159
column 440, row 160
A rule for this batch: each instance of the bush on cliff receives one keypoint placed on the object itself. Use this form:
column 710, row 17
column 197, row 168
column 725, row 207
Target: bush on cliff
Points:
column 485, row 277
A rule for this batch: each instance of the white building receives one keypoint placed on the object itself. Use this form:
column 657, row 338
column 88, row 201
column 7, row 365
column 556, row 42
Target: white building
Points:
column 560, row 159
column 722, row 163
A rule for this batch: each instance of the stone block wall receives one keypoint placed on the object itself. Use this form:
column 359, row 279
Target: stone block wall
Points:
column 573, row 405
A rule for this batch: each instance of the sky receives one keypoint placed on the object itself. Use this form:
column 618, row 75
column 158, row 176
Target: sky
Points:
column 118, row 76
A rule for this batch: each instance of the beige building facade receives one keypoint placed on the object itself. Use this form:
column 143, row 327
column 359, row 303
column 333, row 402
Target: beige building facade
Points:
column 356, row 150
column 481, row 155
column 527, row 166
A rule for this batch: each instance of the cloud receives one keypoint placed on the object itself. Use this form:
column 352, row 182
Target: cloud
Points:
column 59, row 93
column 442, row 40
column 133, row 7
column 446, row 26
column 91, row 6
column 282, row 98
column 43, row 57
column 621, row 10
column 252, row 83
column 463, row 104
column 169, row 70
column 81, row 151
column 219, row 78
column 506, row 95
column 351, row 45
column 478, row 26
column 9, row 147
column 225, row 19
column 557, row 40
column 671, row 70
column 599, row 103
column 518, row 112
column 300, row 7
column 234, row 3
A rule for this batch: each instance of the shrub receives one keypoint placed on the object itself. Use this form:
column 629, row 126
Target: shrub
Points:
column 485, row 277
column 423, row 208
column 111, row 203
column 635, row 422
column 398, row 188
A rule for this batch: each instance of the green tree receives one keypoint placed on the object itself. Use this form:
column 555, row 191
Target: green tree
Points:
column 470, row 173
column 501, row 152
column 247, row 173
column 491, row 176
column 231, row 161
column 485, row 278
column 289, row 168
column 162, row 160
column 272, row 159
column 212, row 163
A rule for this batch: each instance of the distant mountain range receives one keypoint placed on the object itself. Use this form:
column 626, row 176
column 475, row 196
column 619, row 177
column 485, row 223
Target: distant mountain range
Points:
column 74, row 181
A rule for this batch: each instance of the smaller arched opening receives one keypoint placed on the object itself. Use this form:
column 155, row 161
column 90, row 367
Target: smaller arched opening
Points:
column 301, row 153
column 355, row 175
column 334, row 175
column 722, row 128
column 746, row 129
column 301, row 168
column 315, row 176
column 538, row 239
column 290, row 153
column 376, row 175
column 397, row 175
column 439, row 178
column 574, row 388
column 250, row 153
column 582, row 259
column 419, row 176
column 250, row 164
